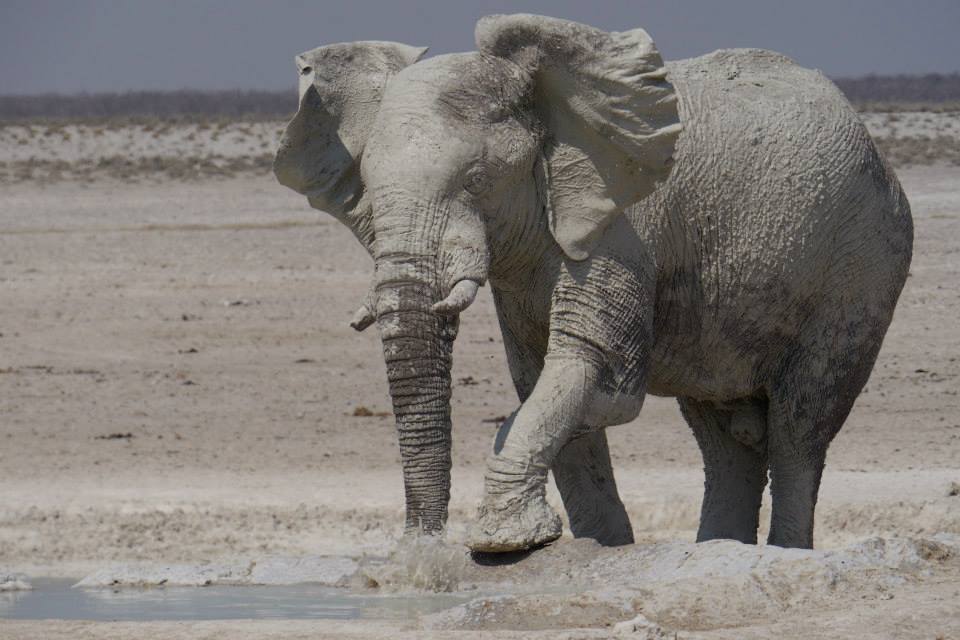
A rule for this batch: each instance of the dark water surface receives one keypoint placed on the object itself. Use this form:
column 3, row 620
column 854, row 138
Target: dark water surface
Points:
column 55, row 599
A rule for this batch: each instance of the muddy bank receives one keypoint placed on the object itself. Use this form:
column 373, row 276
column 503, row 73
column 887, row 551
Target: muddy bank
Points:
column 666, row 590
column 684, row 586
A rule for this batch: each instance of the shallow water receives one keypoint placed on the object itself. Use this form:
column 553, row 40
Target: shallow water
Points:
column 55, row 599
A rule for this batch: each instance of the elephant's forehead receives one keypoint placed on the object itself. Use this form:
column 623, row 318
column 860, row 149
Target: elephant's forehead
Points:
column 468, row 87
column 441, row 70
column 356, row 56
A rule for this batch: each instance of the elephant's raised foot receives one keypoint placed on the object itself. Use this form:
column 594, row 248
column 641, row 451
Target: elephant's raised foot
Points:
column 516, row 523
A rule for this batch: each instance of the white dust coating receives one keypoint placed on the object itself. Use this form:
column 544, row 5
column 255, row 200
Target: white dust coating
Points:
column 721, row 230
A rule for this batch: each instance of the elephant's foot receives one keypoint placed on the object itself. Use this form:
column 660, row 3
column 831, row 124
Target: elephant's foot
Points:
column 514, row 522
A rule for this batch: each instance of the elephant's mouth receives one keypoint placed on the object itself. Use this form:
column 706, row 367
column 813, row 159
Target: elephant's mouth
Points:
column 339, row 187
column 340, row 193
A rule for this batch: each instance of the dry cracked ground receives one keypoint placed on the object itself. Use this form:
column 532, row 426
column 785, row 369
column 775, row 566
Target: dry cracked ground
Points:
column 180, row 391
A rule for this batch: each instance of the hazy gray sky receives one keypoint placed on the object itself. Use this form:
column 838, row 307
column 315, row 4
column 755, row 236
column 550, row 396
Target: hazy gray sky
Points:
column 111, row 45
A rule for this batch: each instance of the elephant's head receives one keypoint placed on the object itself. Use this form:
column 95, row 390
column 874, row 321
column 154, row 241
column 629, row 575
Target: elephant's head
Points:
column 468, row 164
column 341, row 86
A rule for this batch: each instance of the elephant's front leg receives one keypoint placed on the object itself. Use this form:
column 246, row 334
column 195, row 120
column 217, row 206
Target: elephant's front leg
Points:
column 582, row 469
column 594, row 373
column 514, row 514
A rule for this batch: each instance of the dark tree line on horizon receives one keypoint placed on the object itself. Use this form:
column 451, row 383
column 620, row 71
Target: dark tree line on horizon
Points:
column 162, row 104
column 931, row 87
column 872, row 90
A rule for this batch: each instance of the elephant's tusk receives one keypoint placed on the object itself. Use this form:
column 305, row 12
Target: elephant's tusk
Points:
column 362, row 318
column 460, row 297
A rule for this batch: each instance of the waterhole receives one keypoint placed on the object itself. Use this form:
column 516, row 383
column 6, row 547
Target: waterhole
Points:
column 56, row 599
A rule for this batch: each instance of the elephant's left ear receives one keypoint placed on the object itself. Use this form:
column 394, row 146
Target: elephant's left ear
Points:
column 610, row 112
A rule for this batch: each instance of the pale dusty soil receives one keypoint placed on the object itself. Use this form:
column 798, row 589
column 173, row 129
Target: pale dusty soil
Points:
column 911, row 124
column 205, row 324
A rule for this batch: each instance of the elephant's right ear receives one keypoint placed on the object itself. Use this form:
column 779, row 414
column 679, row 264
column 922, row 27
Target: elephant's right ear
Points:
column 610, row 114
column 341, row 86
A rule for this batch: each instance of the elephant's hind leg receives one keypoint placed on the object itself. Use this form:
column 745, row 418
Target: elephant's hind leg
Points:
column 797, row 449
column 584, row 477
column 734, row 461
column 808, row 405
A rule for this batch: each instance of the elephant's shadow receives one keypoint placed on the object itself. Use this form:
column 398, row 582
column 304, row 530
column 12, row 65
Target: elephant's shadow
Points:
column 485, row 559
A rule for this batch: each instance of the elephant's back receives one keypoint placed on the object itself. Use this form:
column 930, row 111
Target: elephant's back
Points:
column 773, row 152
column 730, row 84
column 773, row 167
column 778, row 206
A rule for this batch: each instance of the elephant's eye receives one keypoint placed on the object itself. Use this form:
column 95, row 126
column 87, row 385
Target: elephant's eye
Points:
column 306, row 71
column 477, row 180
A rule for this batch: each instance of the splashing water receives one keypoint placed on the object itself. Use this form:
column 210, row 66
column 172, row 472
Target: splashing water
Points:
column 424, row 563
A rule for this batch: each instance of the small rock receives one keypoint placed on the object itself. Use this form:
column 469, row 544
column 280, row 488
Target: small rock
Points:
column 642, row 629
column 364, row 412
column 13, row 582
column 954, row 489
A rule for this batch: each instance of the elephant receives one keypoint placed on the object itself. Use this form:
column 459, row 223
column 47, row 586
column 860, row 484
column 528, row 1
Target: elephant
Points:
column 720, row 229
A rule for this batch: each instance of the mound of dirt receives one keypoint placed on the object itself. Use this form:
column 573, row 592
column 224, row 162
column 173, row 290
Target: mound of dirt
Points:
column 690, row 586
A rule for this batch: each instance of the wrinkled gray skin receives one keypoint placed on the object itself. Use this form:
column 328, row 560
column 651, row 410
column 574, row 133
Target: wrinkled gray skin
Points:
column 748, row 265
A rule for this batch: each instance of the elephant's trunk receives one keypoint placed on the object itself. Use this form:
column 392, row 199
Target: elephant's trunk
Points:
column 426, row 273
column 417, row 348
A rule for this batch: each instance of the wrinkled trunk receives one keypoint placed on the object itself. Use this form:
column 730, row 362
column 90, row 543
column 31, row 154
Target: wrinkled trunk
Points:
column 417, row 348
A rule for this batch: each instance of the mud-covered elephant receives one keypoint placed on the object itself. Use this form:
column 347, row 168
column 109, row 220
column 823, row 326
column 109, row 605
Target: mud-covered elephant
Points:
column 720, row 229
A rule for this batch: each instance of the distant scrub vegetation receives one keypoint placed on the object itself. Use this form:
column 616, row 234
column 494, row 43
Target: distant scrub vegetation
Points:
column 936, row 92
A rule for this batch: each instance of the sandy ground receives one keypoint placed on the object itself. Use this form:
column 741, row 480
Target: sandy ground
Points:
column 178, row 383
